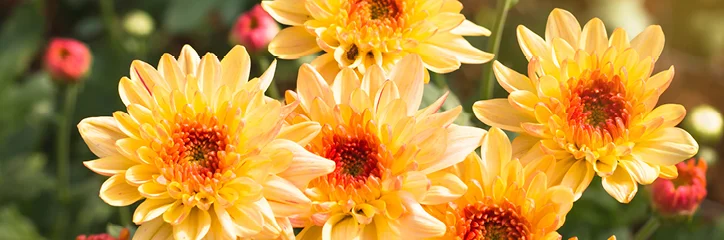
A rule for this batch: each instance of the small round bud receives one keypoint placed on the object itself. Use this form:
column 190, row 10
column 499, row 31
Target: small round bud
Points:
column 138, row 23
column 254, row 29
column 682, row 195
column 705, row 123
column 67, row 60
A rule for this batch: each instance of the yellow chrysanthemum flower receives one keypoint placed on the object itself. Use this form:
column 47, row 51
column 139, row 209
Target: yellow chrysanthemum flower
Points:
column 362, row 33
column 589, row 101
column 204, row 148
column 504, row 200
column 388, row 154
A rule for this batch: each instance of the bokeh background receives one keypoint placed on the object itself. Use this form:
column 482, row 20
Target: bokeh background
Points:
column 29, row 99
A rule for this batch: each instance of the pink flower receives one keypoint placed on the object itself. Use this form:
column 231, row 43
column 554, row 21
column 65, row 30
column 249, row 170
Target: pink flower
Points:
column 124, row 235
column 254, row 29
column 67, row 59
column 681, row 196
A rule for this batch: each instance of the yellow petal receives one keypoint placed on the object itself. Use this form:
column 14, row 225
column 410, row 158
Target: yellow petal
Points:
column 110, row 165
column 436, row 59
column 668, row 172
column 344, row 83
column 373, row 79
column 327, row 66
column 408, row 76
column 340, row 227
column 495, row 153
column 145, row 75
column 497, row 113
column 468, row 28
column 311, row 85
column 532, row 44
column 672, row 114
column 562, row 24
column 292, row 43
column 169, row 68
column 666, row 146
column 235, row 67
column 550, row 87
column 116, row 192
column 620, row 185
column 140, row 174
column 650, row 42
column 511, row 80
column 457, row 46
column 418, row 224
column 619, row 39
column 641, row 171
column 305, row 165
column 100, row 134
column 195, row 226
column 594, row 38
column 177, row 213
column 188, row 60
column 446, row 187
column 285, row 198
column 310, row 233
column 300, row 133
column 578, row 177
column 266, row 78
column 461, row 141
column 446, row 21
column 150, row 209
column 287, row 12
column 154, row 229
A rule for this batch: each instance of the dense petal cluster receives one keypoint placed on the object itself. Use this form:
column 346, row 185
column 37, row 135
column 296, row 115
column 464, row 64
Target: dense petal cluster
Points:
column 388, row 154
column 683, row 194
column 361, row 33
column 504, row 200
column 589, row 100
column 205, row 149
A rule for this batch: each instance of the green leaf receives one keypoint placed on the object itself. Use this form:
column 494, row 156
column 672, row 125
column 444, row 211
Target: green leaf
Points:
column 21, row 38
column 22, row 178
column 184, row 15
column 14, row 225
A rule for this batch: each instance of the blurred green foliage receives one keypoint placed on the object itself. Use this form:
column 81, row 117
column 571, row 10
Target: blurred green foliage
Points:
column 29, row 99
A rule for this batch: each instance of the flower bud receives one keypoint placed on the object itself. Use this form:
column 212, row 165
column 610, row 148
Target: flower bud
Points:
column 67, row 60
column 138, row 23
column 682, row 195
column 254, row 29
column 123, row 235
column 705, row 123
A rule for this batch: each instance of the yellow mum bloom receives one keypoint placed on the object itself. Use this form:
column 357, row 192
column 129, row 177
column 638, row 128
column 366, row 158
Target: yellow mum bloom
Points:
column 200, row 144
column 388, row 154
column 504, row 200
column 589, row 100
column 361, row 33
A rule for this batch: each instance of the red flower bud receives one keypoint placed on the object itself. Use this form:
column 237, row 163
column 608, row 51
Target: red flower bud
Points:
column 681, row 196
column 67, row 60
column 254, row 29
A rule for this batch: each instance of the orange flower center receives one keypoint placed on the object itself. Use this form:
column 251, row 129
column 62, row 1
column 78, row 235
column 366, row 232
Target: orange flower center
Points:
column 491, row 221
column 197, row 151
column 375, row 10
column 355, row 153
column 598, row 106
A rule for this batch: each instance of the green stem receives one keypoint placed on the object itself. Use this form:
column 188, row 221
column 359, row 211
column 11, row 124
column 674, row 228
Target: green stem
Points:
column 263, row 63
column 648, row 229
column 109, row 21
column 62, row 148
column 439, row 80
column 125, row 216
column 488, row 83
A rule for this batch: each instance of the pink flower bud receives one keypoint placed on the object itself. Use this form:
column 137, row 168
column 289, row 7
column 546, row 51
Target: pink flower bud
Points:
column 681, row 196
column 254, row 29
column 67, row 60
